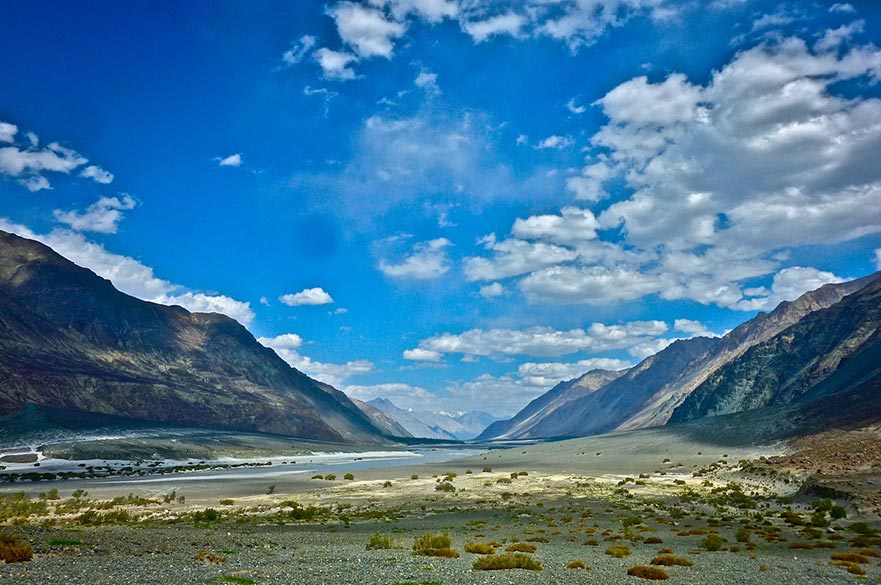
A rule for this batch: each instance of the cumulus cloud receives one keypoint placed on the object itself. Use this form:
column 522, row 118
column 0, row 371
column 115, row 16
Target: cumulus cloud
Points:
column 365, row 29
column 233, row 160
column 8, row 132
column 555, row 142
column 878, row 259
column 422, row 355
column 103, row 216
column 287, row 347
column 543, row 341
column 788, row 285
column 842, row 8
column 491, row 291
column 130, row 276
column 722, row 179
column 513, row 257
column 575, row 108
column 426, row 260
column 97, row 174
column 509, row 23
column 692, row 327
column 336, row 65
column 309, row 296
column 548, row 374
column 573, row 225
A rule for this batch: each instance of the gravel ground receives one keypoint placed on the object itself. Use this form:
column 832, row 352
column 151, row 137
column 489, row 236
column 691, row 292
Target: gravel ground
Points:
column 319, row 554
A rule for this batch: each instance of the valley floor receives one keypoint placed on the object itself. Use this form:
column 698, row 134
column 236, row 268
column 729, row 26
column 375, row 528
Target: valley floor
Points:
column 728, row 512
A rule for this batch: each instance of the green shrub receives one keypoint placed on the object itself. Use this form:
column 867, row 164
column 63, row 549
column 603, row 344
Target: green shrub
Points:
column 14, row 550
column 487, row 469
column 647, row 572
column 330, row 477
column 434, row 545
column 206, row 515
column 227, row 502
column 380, row 541
column 838, row 513
column 317, row 476
column 349, row 476
column 507, row 561
column 713, row 542
column 445, row 486
column 577, row 565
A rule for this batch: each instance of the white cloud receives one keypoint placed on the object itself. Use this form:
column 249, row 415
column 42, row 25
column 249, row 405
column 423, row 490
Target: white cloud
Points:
column 833, row 39
column 101, row 216
column 509, row 23
column 233, row 160
column 130, row 276
column 309, row 296
column 723, row 179
column 8, row 132
column 842, row 7
column 432, row 11
column 548, row 374
column 491, row 291
column 403, row 395
column 573, row 225
column 426, row 260
column 691, row 327
column 543, row 341
column 29, row 164
column 582, row 22
column 513, row 257
column 335, row 64
column 299, row 50
column 422, row 355
column 781, row 17
column 427, row 81
column 788, row 285
column 555, row 142
column 287, row 346
column 878, row 259
column 366, row 30
column 574, row 108
column 97, row 174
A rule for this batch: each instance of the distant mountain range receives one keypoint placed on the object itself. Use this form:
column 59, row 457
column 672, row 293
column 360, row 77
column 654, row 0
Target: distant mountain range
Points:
column 824, row 343
column 70, row 340
column 435, row 425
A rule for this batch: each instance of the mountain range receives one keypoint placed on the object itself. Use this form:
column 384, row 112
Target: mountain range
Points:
column 824, row 343
column 435, row 425
column 70, row 340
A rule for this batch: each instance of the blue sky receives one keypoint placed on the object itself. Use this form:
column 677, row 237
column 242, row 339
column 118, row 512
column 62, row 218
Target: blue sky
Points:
column 451, row 203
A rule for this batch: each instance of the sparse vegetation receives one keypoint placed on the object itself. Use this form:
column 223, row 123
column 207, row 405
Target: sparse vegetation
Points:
column 671, row 560
column 480, row 548
column 380, row 541
column 577, row 565
column 521, row 547
column 507, row 561
column 648, row 572
column 713, row 542
column 349, row 476
column 434, row 545
column 618, row 551
column 14, row 550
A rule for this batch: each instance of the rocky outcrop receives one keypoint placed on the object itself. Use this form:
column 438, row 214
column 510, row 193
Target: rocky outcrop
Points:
column 69, row 339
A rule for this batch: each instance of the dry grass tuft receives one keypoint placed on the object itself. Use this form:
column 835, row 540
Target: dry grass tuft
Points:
column 507, row 561
column 646, row 572
column 618, row 551
column 670, row 561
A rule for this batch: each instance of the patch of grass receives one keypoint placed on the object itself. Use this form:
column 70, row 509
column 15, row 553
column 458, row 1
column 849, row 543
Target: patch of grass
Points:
column 541, row 539
column 507, row 561
column 618, row 551
column 434, row 545
column 648, row 572
column 577, row 565
column 480, row 548
column 380, row 541
column 671, row 561
column 14, row 550
column 521, row 547
column 590, row 542
column 798, row 545
column 653, row 540
column 65, row 542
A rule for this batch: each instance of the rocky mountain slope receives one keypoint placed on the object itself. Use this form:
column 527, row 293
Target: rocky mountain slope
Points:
column 829, row 351
column 549, row 402
column 607, row 407
column 764, row 326
column 382, row 421
column 69, row 339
